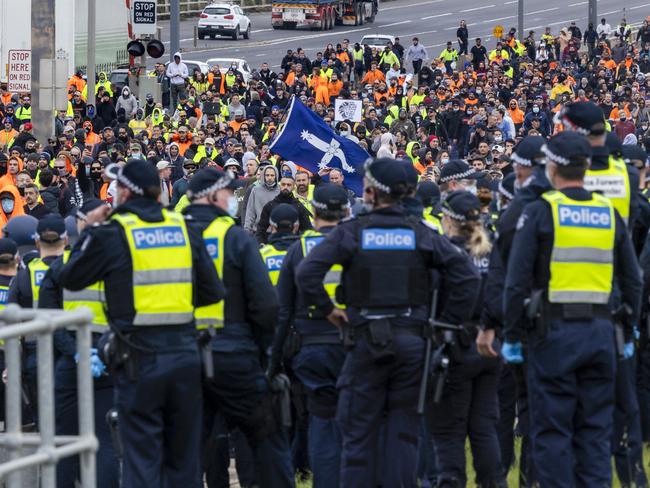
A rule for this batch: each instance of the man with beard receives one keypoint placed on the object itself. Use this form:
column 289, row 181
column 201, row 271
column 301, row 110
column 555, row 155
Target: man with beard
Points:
column 304, row 191
column 287, row 185
column 177, row 161
column 180, row 186
column 32, row 206
column 263, row 192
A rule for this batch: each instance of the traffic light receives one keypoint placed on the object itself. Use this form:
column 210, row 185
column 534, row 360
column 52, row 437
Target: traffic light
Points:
column 135, row 48
column 155, row 48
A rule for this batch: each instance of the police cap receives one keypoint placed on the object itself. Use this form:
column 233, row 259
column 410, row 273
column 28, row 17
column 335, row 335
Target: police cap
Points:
column 428, row 193
column 51, row 228
column 88, row 206
column 328, row 196
column 209, row 180
column 457, row 169
column 567, row 148
column 412, row 174
column 507, row 186
column 8, row 247
column 614, row 144
column 528, row 151
column 21, row 229
column 387, row 175
column 284, row 216
column 587, row 118
column 137, row 175
column 633, row 153
column 462, row 205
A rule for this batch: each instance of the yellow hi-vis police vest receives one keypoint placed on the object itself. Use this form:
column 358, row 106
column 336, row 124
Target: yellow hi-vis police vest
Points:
column 37, row 270
column 91, row 297
column 614, row 183
column 583, row 249
column 214, row 237
column 433, row 219
column 332, row 280
column 273, row 259
column 4, row 296
column 162, row 269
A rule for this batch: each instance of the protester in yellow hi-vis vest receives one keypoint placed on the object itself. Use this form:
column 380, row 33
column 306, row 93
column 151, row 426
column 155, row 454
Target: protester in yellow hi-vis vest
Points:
column 54, row 296
column 284, row 227
column 155, row 271
column 429, row 195
column 24, row 290
column 607, row 174
column 319, row 359
column 562, row 264
column 239, row 389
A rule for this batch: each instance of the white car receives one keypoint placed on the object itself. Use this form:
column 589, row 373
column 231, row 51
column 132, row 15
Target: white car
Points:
column 377, row 41
column 224, row 19
column 225, row 63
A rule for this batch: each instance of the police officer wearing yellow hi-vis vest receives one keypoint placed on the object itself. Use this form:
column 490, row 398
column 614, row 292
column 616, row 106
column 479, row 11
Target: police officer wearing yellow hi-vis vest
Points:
column 155, row 272
column 242, row 331
column 9, row 260
column 607, row 174
column 285, row 221
column 320, row 355
column 50, row 242
column 563, row 260
column 53, row 296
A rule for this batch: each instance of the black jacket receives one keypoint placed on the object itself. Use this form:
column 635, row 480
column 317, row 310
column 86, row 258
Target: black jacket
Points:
column 262, row 226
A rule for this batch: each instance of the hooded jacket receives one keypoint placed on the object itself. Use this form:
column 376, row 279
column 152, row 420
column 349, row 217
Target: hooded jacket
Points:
column 18, row 204
column 260, row 196
column 128, row 102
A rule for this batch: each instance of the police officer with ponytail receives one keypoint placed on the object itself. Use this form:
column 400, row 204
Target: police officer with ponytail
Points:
column 285, row 221
column 155, row 271
column 241, row 330
column 564, row 256
column 469, row 404
column 387, row 260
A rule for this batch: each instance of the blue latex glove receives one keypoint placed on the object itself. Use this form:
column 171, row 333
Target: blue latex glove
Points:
column 637, row 332
column 628, row 350
column 97, row 367
column 512, row 352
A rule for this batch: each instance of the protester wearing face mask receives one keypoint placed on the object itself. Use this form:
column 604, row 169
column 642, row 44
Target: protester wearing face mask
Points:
column 11, row 204
column 458, row 175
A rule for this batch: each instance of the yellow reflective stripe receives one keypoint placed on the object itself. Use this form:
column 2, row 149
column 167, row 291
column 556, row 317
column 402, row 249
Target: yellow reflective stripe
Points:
column 583, row 249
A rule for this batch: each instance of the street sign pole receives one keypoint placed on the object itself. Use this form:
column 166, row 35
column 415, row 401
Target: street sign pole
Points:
column 520, row 20
column 174, row 28
column 92, row 38
column 43, row 47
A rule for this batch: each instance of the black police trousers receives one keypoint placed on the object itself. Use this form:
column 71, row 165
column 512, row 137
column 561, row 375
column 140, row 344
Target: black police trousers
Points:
column 469, row 407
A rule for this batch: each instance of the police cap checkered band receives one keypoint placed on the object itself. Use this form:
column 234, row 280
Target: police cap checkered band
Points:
column 556, row 158
column 207, row 181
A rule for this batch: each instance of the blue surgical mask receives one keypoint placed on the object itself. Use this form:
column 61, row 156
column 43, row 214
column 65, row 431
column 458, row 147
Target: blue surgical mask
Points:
column 233, row 206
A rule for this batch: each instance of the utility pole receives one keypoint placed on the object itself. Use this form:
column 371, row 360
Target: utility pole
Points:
column 92, row 39
column 520, row 20
column 592, row 15
column 43, row 47
column 174, row 28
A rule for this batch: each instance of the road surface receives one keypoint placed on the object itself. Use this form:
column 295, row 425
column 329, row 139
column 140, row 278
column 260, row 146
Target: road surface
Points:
column 433, row 21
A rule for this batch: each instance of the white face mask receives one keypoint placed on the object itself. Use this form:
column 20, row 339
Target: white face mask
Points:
column 444, row 160
column 233, row 206
column 7, row 205
column 472, row 189
column 548, row 175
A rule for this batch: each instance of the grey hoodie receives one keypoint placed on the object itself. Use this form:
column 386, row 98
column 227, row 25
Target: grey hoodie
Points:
column 128, row 102
column 260, row 196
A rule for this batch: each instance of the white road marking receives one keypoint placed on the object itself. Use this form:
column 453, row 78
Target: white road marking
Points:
column 640, row 6
column 411, row 5
column 576, row 4
column 397, row 23
column 436, row 16
column 477, row 8
column 511, row 2
column 420, row 33
column 260, row 30
column 496, row 20
column 542, row 11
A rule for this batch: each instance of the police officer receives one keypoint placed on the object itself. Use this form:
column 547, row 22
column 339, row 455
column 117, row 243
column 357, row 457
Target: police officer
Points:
column 319, row 359
column 458, row 175
column 610, row 176
column 531, row 183
column 9, row 260
column 387, row 260
column 429, row 194
column 469, row 405
column 243, row 328
column 155, row 271
column 607, row 173
column 50, row 242
column 52, row 296
column 284, row 220
column 566, row 246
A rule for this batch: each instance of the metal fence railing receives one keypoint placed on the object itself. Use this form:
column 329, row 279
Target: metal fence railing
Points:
column 121, row 59
column 195, row 7
column 18, row 322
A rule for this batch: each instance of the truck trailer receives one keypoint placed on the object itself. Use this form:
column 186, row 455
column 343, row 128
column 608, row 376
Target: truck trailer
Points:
column 322, row 14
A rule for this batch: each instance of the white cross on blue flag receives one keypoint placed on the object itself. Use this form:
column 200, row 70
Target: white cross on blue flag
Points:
column 308, row 141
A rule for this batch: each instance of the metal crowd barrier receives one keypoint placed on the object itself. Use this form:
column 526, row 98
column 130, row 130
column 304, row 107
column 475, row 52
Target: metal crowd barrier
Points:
column 17, row 322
